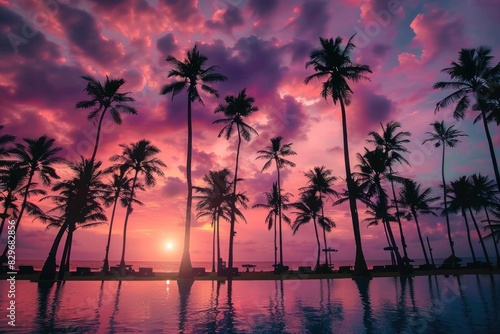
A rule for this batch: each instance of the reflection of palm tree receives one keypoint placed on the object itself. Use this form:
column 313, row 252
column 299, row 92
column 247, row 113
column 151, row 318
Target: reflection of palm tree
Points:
column 191, row 72
column 140, row 159
column 320, row 181
column 472, row 75
column 184, row 287
column 37, row 156
column 369, row 322
column 445, row 136
column 308, row 209
column 272, row 204
column 417, row 202
column 392, row 144
column 105, row 97
column 277, row 153
column 333, row 63
column 112, row 321
column 235, row 110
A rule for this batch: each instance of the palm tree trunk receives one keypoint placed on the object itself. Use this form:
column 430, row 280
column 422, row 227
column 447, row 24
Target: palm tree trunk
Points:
column 186, row 269
column 105, row 266
column 492, row 149
column 275, row 244
column 468, row 236
column 219, row 264
column 324, row 230
column 279, row 215
column 494, row 243
column 391, row 251
column 360, row 267
column 66, row 253
column 480, row 237
column 233, row 203
column 403, row 241
column 318, row 243
column 414, row 213
column 446, row 206
column 48, row 272
column 213, row 246
column 129, row 207
column 98, row 134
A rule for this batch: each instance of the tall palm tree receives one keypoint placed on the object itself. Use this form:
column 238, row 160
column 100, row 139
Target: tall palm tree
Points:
column 139, row 159
column 460, row 196
column 445, row 136
column 4, row 140
column 12, row 187
column 213, row 202
column 37, row 156
column 79, row 201
column 486, row 195
column 392, row 143
column 235, row 110
column 472, row 76
column 320, row 181
column 374, row 169
column 308, row 209
column 277, row 153
column 118, row 191
column 412, row 198
column 272, row 204
column 190, row 72
column 104, row 97
column 333, row 63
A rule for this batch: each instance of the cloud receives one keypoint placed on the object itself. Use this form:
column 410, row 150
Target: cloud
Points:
column 166, row 45
column 226, row 19
column 316, row 11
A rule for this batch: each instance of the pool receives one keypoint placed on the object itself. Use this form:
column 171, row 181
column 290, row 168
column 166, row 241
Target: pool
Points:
column 433, row 304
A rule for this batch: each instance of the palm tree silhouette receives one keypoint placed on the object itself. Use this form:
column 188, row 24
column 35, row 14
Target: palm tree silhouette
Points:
column 37, row 156
column 118, row 191
column 12, row 187
column 473, row 75
column 308, row 208
column 412, row 198
column 320, row 181
column 392, row 142
column 445, row 136
column 191, row 72
column 277, row 153
column 79, row 202
column 4, row 140
column 374, row 168
column 104, row 97
column 272, row 204
column 139, row 159
column 487, row 198
column 235, row 111
column 333, row 63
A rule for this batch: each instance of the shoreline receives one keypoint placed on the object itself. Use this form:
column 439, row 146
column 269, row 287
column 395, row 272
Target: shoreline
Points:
column 257, row 276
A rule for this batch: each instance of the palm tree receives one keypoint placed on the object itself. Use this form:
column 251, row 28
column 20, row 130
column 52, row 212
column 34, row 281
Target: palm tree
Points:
column 333, row 62
column 459, row 194
column 308, row 208
column 213, row 202
column 78, row 202
column 191, row 72
column 4, row 140
column 374, row 169
column 139, row 159
column 392, row 143
column 412, row 198
column 487, row 196
column 472, row 76
column 118, row 191
column 272, row 204
column 445, row 136
column 235, row 111
column 104, row 97
column 320, row 181
column 12, row 187
column 277, row 153
column 37, row 156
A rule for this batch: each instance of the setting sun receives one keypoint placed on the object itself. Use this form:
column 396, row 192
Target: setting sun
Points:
column 169, row 245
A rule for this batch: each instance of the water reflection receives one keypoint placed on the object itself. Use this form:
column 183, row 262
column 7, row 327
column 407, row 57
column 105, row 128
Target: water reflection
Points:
column 184, row 286
column 112, row 321
column 369, row 322
column 46, row 319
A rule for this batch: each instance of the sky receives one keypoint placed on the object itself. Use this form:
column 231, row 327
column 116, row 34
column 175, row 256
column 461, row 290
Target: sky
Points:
column 260, row 45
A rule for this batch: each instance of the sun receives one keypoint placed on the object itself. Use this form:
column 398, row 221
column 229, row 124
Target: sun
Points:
column 169, row 245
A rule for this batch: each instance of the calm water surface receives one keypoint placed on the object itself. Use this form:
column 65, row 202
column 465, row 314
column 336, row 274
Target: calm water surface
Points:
column 434, row 304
